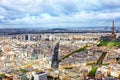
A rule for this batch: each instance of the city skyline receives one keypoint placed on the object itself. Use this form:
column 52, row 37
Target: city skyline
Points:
column 58, row 13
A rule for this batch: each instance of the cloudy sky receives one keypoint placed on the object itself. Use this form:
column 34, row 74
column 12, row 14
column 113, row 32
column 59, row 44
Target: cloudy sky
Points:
column 58, row 13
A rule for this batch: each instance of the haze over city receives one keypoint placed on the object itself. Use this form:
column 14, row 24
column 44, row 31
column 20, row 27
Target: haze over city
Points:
column 58, row 13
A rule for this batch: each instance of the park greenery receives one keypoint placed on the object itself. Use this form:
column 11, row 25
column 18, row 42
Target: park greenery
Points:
column 69, row 54
column 109, row 43
column 93, row 71
column 2, row 75
column 21, row 70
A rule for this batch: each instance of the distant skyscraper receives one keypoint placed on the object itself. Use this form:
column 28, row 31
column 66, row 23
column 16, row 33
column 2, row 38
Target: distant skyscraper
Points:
column 55, row 57
column 26, row 37
column 113, row 35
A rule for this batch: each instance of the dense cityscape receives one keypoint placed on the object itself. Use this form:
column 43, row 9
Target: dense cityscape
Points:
column 60, row 56
column 59, row 39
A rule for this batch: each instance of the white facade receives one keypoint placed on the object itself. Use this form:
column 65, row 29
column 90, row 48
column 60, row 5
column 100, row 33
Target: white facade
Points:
column 40, row 76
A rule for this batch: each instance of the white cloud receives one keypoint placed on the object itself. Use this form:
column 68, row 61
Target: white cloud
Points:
column 110, row 3
column 80, row 17
column 2, row 17
column 57, row 12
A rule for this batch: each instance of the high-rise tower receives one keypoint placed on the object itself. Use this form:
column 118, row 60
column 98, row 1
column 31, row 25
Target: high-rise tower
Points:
column 113, row 35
